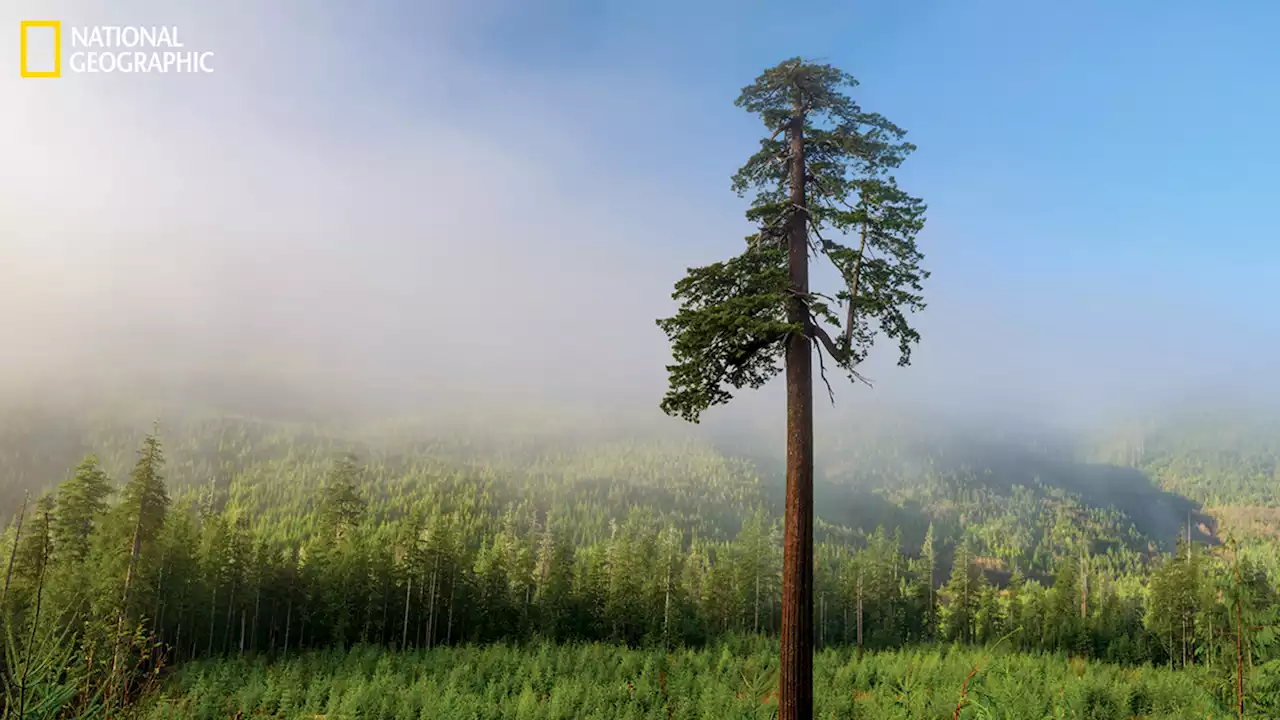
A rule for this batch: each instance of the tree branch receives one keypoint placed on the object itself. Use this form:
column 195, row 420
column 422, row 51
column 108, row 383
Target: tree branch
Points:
column 853, row 283
column 738, row 359
column 822, row 373
column 862, row 251
column 857, row 265
column 819, row 335
column 817, row 332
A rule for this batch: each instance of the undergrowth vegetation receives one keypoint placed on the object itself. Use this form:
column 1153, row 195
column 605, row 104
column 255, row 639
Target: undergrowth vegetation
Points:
column 733, row 679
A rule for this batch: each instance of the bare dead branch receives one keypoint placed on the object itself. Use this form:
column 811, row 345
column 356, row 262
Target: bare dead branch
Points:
column 819, row 335
column 822, row 373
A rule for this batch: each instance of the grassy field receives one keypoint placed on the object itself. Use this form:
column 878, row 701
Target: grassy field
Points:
column 731, row 680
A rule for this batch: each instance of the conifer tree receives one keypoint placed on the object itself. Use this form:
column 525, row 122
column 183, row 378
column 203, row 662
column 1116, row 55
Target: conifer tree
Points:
column 341, row 505
column 828, row 178
column 963, row 590
column 930, row 556
column 34, row 548
column 554, row 582
column 144, row 502
column 81, row 502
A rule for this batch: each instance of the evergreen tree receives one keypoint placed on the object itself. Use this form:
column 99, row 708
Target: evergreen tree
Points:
column 738, row 318
column 1011, row 610
column 81, row 503
column 756, row 571
column 986, row 618
column 959, row 615
column 1173, row 597
column 34, row 546
column 930, row 556
column 341, row 506
column 144, row 502
column 554, row 583
column 1064, row 620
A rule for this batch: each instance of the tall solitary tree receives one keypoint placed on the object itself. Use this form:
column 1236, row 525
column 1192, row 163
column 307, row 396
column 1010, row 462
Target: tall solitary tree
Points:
column 823, row 183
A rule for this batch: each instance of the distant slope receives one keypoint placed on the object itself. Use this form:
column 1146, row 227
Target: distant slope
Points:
column 1021, row 498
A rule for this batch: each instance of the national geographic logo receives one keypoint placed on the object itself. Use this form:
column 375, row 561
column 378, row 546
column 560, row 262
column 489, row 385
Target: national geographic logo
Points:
column 48, row 55
column 128, row 49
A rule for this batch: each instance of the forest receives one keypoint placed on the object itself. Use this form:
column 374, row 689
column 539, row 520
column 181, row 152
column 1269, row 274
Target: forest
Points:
column 229, row 565
column 346, row 400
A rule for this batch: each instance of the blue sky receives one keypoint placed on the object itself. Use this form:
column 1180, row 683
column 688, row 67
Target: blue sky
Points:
column 1105, row 138
column 1097, row 172
column 1098, row 177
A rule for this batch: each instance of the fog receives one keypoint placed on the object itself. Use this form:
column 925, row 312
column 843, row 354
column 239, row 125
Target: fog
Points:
column 369, row 209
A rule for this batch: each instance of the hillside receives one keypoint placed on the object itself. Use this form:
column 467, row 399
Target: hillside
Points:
column 271, row 537
column 1017, row 499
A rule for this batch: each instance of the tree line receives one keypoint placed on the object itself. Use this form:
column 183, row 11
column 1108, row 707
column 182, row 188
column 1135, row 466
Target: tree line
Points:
column 131, row 582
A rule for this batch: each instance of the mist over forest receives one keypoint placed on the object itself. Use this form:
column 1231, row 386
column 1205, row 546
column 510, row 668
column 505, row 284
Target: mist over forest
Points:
column 331, row 380
column 421, row 261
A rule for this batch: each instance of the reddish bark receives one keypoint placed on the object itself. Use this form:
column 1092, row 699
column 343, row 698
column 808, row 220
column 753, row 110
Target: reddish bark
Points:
column 795, row 697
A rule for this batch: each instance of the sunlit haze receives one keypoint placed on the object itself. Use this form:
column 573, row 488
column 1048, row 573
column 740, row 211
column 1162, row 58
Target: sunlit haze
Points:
column 393, row 201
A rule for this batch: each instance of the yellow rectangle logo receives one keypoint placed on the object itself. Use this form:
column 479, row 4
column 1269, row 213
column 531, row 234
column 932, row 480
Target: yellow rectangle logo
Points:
column 56, row 26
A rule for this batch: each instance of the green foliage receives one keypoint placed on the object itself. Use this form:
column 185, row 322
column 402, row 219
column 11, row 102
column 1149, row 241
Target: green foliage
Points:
column 145, row 498
column 1219, row 457
column 734, row 316
column 737, row 679
column 43, row 680
column 679, row 546
column 81, row 501
column 728, row 330
column 341, row 505
column 644, row 544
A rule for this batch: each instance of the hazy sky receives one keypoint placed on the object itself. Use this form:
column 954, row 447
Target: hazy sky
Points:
column 494, row 194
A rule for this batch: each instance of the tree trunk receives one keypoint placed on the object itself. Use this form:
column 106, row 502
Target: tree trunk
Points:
column 160, row 594
column 967, row 631
column 1084, row 589
column 213, row 616
column 35, row 621
column 933, row 605
column 271, row 626
column 226, row 633
column 1184, row 640
column 253, row 629
column 822, row 621
column 853, row 284
column 404, row 633
column 128, row 585
column 859, row 617
column 13, row 554
column 431, row 607
column 666, row 606
column 382, row 624
column 795, row 695
column 177, row 641
column 448, row 633
column 159, row 625
column 419, row 628
column 757, row 601
column 288, row 620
